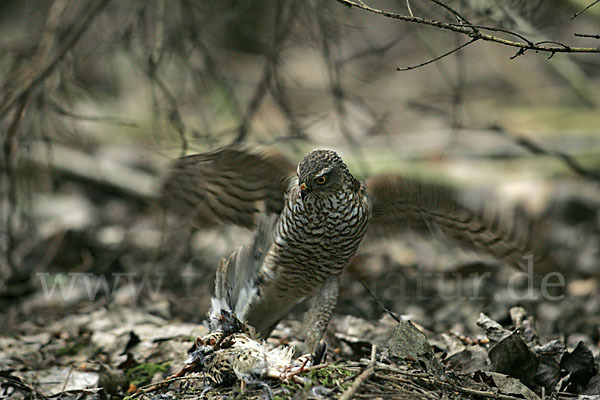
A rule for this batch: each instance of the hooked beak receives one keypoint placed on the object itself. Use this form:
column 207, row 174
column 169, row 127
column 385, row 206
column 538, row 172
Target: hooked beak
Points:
column 304, row 190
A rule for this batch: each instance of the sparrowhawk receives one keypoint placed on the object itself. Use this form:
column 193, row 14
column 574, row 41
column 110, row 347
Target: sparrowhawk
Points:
column 323, row 213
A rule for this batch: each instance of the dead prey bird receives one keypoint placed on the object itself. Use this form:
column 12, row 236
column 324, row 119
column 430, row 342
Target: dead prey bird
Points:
column 232, row 351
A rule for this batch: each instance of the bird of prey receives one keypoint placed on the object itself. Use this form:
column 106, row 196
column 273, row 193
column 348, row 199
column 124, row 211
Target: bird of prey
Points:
column 322, row 214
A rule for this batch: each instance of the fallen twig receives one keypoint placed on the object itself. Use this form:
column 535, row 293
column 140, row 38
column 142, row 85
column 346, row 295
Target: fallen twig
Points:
column 363, row 377
column 163, row 384
column 450, row 386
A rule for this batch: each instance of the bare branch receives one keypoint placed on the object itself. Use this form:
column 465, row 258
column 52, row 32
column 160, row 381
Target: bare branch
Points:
column 589, row 6
column 408, row 7
column 587, row 35
column 458, row 16
column 535, row 148
column 283, row 24
column 437, row 58
column 174, row 117
column 93, row 118
column 471, row 31
column 82, row 23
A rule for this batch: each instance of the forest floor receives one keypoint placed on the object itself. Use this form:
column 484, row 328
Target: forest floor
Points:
column 119, row 294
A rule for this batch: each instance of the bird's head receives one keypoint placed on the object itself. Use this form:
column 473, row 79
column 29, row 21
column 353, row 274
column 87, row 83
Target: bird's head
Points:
column 322, row 173
column 205, row 349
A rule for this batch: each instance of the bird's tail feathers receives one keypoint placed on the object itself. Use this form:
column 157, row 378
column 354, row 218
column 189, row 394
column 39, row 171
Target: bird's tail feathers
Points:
column 236, row 279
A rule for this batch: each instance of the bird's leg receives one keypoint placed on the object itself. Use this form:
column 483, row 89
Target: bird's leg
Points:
column 319, row 314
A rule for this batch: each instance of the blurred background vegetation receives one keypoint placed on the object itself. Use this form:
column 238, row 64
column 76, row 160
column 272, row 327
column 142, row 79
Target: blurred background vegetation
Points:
column 98, row 96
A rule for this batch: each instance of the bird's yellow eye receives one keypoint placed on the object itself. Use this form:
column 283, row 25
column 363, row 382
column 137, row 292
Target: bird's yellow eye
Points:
column 321, row 180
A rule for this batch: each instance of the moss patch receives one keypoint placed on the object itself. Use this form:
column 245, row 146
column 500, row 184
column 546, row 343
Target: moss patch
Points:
column 142, row 374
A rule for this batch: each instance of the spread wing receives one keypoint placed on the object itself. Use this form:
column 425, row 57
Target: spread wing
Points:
column 231, row 185
column 397, row 202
